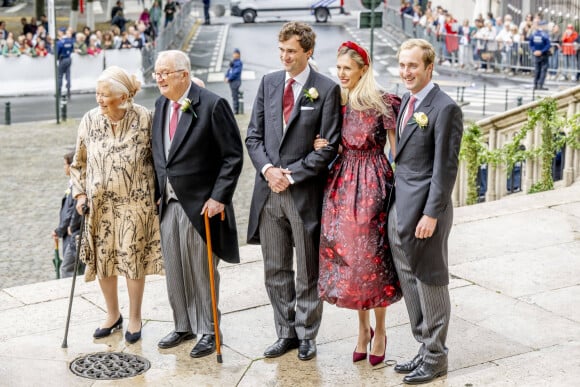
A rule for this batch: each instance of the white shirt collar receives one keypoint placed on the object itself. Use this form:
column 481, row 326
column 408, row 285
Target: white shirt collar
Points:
column 420, row 96
column 184, row 96
column 300, row 78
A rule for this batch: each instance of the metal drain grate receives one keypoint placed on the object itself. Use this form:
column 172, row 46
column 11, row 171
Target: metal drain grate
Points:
column 109, row 365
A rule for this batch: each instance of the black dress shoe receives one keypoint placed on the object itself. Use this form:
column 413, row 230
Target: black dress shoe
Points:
column 425, row 373
column 132, row 338
column 405, row 368
column 104, row 332
column 174, row 339
column 280, row 347
column 307, row 349
column 205, row 346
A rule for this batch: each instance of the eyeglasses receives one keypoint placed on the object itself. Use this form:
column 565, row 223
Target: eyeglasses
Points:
column 164, row 75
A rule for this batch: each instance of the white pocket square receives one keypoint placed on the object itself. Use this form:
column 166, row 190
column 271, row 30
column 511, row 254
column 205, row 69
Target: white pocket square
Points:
column 306, row 108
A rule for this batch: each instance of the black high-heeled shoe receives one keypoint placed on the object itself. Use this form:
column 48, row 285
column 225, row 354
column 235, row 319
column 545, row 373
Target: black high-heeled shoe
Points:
column 132, row 338
column 104, row 332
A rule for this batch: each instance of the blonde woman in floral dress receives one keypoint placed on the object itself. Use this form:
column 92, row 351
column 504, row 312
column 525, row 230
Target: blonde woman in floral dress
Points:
column 112, row 173
column 356, row 267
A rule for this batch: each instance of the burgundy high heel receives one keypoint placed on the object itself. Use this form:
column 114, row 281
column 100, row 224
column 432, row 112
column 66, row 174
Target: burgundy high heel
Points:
column 374, row 359
column 358, row 356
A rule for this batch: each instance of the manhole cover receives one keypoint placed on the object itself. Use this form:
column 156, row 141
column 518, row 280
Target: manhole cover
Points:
column 109, row 365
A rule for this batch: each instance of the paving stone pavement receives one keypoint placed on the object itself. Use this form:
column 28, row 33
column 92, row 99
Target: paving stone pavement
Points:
column 514, row 266
column 32, row 187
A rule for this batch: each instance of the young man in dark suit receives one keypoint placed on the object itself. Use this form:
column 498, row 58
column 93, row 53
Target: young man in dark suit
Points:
column 430, row 128
column 291, row 108
column 198, row 154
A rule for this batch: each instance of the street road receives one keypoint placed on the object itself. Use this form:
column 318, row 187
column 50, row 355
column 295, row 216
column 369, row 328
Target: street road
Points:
column 210, row 51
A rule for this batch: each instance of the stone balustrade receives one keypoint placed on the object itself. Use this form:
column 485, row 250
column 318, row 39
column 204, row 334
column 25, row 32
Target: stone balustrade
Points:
column 500, row 129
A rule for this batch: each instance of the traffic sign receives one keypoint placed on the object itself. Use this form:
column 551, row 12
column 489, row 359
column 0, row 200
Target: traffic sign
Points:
column 371, row 4
column 370, row 20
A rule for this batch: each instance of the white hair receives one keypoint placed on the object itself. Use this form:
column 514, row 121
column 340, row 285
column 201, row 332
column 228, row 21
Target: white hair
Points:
column 179, row 59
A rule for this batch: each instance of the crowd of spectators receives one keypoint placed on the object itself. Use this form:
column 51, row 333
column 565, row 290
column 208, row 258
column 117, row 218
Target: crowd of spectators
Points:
column 494, row 44
column 34, row 39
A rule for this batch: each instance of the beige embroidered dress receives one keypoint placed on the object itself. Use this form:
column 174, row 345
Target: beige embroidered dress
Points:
column 114, row 168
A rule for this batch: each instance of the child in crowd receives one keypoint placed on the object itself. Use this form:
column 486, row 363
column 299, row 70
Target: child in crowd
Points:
column 68, row 226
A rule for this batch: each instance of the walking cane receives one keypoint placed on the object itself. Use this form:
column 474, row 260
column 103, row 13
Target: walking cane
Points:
column 216, row 324
column 56, row 261
column 74, row 279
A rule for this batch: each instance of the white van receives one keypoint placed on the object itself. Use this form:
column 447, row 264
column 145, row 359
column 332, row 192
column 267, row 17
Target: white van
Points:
column 249, row 9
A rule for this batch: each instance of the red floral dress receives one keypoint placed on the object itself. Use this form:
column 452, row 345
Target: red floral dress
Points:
column 356, row 268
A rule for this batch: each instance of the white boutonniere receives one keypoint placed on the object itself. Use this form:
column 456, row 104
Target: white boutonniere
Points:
column 421, row 119
column 311, row 94
column 186, row 107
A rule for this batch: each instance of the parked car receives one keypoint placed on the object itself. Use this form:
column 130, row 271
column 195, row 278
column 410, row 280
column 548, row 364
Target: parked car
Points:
column 250, row 9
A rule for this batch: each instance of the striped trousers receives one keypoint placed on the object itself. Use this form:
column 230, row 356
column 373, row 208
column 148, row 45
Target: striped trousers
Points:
column 297, row 308
column 428, row 306
column 187, row 272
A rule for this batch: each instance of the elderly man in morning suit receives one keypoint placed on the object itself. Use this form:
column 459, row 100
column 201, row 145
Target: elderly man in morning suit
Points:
column 292, row 107
column 198, row 153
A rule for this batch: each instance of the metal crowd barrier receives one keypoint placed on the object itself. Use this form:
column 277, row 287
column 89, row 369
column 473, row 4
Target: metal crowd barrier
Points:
column 488, row 55
column 169, row 37
column 25, row 75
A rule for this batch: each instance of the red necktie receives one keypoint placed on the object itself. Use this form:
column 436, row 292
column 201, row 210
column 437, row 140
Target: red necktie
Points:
column 174, row 119
column 410, row 110
column 288, row 100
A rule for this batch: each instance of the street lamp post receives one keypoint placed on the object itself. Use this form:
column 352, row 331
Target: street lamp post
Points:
column 52, row 32
column 371, row 21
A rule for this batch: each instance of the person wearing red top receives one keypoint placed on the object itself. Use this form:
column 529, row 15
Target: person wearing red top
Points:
column 451, row 37
column 93, row 48
column 569, row 50
column 40, row 49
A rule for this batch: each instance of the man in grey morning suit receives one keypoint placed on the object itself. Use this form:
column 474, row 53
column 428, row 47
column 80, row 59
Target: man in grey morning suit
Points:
column 429, row 128
column 197, row 153
column 290, row 178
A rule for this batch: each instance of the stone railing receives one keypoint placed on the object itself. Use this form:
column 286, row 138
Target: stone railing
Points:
column 500, row 129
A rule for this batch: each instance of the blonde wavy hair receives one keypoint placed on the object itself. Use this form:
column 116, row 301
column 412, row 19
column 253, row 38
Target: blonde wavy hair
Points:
column 367, row 93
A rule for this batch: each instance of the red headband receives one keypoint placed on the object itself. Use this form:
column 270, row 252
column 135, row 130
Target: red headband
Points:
column 361, row 51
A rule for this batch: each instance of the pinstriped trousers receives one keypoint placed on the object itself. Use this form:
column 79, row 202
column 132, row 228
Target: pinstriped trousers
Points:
column 428, row 306
column 297, row 308
column 187, row 272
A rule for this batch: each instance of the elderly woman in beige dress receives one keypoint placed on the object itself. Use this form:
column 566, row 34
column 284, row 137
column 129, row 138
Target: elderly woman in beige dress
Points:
column 112, row 173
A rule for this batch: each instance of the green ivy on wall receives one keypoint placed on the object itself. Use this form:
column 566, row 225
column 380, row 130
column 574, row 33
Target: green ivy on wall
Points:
column 476, row 153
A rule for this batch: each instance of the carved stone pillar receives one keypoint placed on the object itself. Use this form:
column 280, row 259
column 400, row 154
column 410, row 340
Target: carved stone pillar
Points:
column 460, row 185
column 491, row 193
column 527, row 178
column 537, row 162
column 569, row 154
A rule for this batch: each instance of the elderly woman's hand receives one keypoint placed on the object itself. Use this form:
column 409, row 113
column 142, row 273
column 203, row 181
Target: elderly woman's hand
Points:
column 81, row 200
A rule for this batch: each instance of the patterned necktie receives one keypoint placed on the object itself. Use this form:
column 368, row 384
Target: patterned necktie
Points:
column 410, row 111
column 288, row 100
column 174, row 119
